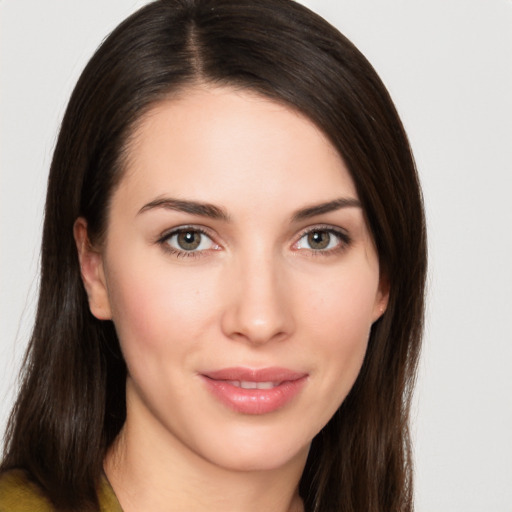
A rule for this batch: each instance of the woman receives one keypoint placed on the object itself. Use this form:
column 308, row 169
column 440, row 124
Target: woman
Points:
column 232, row 276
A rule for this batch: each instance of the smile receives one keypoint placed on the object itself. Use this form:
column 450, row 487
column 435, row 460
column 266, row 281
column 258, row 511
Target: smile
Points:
column 255, row 392
column 245, row 384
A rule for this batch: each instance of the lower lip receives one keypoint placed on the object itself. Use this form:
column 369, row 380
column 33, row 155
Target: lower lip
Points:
column 254, row 401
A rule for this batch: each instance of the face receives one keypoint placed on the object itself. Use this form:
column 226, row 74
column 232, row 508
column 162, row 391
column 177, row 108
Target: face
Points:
column 241, row 278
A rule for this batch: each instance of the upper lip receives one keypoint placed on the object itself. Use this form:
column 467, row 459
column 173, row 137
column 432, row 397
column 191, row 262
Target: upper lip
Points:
column 270, row 374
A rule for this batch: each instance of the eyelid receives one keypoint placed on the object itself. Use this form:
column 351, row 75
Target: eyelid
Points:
column 342, row 234
column 163, row 238
column 164, row 235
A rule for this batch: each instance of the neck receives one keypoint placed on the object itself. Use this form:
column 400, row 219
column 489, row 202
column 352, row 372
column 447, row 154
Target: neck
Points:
column 158, row 473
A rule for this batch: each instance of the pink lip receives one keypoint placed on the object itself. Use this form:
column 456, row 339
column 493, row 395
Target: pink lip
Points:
column 286, row 385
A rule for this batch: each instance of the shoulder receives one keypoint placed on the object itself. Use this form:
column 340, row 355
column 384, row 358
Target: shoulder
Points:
column 19, row 494
column 107, row 498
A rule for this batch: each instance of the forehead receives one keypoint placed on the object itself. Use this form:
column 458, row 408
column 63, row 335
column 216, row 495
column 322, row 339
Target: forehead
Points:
column 219, row 144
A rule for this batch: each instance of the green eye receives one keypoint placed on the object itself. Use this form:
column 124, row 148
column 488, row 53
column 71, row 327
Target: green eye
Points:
column 319, row 240
column 188, row 240
column 322, row 240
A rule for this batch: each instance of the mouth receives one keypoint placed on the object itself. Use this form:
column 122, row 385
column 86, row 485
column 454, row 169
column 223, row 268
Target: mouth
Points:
column 254, row 391
column 246, row 384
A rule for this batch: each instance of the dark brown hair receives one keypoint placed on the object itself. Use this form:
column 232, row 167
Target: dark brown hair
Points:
column 71, row 404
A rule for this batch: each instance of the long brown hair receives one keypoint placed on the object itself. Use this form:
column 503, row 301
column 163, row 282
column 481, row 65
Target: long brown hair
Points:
column 71, row 405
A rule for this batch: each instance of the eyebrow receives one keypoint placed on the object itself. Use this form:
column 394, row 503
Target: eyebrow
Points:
column 330, row 206
column 192, row 207
column 215, row 212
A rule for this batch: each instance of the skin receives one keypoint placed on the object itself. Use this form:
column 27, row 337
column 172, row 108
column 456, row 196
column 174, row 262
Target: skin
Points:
column 255, row 293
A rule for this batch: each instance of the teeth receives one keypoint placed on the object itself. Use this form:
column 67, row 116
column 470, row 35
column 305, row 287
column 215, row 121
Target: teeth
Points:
column 253, row 385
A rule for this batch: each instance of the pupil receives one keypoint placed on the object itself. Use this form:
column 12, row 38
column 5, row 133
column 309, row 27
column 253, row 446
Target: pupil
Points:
column 318, row 239
column 189, row 240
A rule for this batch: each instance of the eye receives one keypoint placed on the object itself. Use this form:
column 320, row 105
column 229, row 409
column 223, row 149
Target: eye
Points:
column 322, row 240
column 187, row 241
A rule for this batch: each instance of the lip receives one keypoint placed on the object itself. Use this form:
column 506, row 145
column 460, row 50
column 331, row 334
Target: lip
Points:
column 224, row 385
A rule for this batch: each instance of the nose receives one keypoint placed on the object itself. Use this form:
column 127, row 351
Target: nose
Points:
column 259, row 307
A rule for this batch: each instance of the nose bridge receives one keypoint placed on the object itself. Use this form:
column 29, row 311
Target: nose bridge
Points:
column 259, row 308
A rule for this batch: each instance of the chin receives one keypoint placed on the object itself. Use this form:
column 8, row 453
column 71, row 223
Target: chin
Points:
column 257, row 454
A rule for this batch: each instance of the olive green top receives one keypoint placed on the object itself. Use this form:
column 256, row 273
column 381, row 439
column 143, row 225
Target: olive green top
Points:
column 19, row 494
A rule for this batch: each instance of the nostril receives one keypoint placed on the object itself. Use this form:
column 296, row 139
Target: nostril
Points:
column 258, row 306
column 257, row 323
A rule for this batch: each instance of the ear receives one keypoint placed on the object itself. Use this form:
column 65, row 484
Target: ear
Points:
column 382, row 298
column 92, row 272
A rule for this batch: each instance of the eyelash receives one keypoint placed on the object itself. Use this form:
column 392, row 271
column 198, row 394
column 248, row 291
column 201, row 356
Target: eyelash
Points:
column 341, row 235
column 165, row 237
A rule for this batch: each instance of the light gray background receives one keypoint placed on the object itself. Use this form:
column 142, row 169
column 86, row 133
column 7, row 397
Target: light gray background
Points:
column 447, row 64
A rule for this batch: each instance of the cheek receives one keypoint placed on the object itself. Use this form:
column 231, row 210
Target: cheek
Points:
column 339, row 320
column 159, row 309
column 345, row 305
